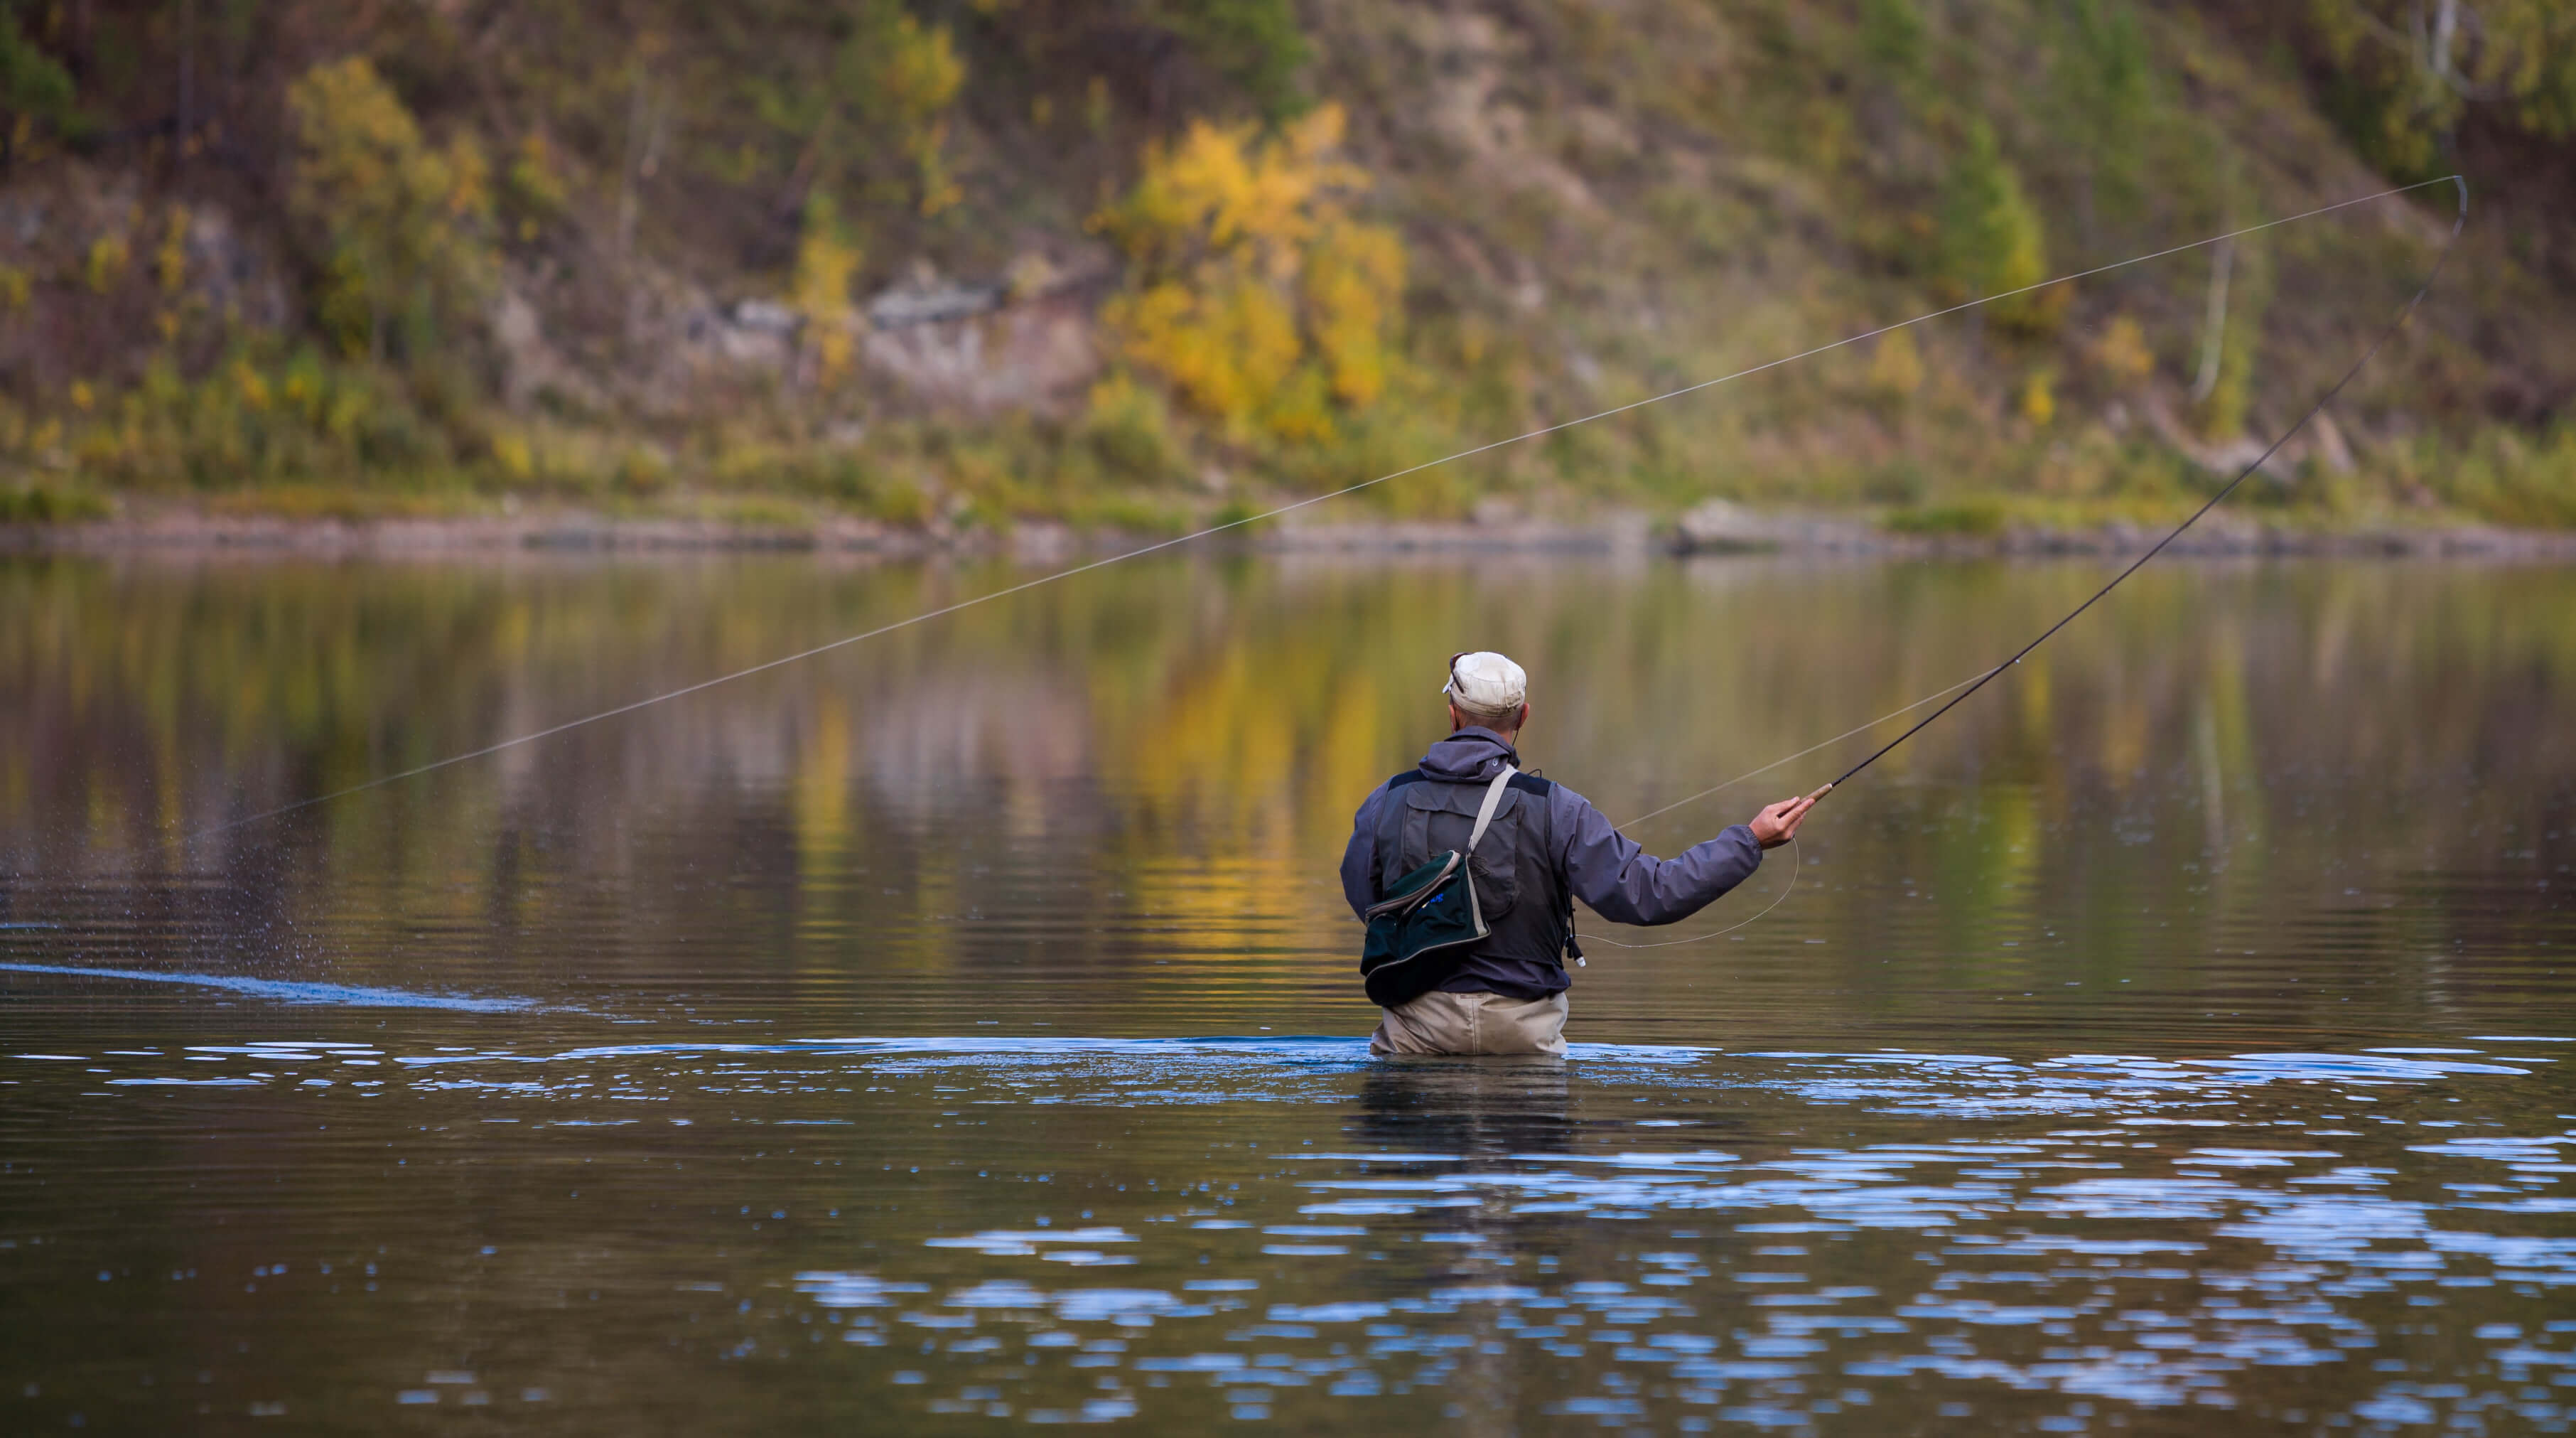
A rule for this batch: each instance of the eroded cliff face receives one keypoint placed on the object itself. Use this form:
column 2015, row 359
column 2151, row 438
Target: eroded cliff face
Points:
column 1024, row 340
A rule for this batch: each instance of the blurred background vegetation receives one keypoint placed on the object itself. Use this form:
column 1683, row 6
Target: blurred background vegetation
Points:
column 961, row 264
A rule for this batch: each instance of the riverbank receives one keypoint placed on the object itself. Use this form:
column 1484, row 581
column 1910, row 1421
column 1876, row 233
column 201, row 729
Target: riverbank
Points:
column 1713, row 529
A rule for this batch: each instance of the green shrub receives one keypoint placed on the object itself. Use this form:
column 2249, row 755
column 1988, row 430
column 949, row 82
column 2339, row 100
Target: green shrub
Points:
column 1899, row 481
column 1255, row 44
column 1976, row 518
column 761, row 512
column 266, row 417
column 901, row 502
column 1134, row 515
column 34, row 86
column 1994, row 241
column 2501, row 476
column 400, row 224
column 1128, row 430
column 41, row 504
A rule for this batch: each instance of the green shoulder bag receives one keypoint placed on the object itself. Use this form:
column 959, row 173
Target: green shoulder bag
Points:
column 1416, row 932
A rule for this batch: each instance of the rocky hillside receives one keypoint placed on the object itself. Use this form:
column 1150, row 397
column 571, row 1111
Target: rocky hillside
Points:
column 1139, row 263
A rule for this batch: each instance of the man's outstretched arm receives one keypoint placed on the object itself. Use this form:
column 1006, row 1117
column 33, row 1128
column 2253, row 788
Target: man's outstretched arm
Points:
column 1623, row 883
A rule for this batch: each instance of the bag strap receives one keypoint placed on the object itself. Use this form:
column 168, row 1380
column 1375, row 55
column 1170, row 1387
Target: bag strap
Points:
column 1493, row 801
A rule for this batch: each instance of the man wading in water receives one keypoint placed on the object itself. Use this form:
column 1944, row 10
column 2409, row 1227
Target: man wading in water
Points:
column 1481, row 967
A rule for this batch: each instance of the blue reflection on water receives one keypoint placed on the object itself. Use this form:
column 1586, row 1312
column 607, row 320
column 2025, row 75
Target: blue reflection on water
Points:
column 286, row 991
column 2200, row 1224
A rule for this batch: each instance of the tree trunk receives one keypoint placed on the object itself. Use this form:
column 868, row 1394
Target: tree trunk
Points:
column 2213, row 325
column 187, row 108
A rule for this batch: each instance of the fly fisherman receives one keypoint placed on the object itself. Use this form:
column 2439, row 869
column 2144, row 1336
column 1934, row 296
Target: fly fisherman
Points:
column 1467, row 870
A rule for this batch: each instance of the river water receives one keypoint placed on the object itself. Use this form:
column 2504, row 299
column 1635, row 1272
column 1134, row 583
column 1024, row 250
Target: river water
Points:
column 959, row 1030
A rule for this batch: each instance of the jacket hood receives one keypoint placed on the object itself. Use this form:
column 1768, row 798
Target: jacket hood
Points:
column 1469, row 755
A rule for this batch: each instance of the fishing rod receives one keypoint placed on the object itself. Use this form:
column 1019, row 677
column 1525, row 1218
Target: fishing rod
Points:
column 1967, row 687
column 1559, row 427
column 2404, row 313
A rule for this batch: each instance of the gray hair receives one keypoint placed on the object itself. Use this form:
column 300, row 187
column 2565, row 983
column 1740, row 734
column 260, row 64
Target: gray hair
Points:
column 1508, row 717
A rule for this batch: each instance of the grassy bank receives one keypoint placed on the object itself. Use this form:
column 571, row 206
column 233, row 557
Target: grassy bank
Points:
column 1143, row 267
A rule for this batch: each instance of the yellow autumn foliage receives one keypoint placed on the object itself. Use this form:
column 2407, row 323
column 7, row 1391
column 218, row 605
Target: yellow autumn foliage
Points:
column 106, row 263
column 922, row 73
column 1354, row 276
column 2039, row 397
column 825, row 261
column 1896, row 370
column 921, row 76
column 1256, row 294
column 2122, row 354
column 1225, row 345
column 170, row 261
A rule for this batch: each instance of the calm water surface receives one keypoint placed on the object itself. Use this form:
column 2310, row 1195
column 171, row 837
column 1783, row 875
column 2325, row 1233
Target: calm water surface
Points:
column 959, row 1031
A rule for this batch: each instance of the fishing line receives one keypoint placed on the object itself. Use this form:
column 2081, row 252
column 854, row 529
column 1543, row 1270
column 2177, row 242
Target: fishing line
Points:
column 1290, row 508
column 1971, row 686
column 2404, row 313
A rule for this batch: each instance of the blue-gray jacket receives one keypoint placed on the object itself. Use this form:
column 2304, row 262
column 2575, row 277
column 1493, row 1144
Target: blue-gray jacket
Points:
column 1593, row 862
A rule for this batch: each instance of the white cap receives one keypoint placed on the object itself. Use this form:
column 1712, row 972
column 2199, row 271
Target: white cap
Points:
column 1486, row 683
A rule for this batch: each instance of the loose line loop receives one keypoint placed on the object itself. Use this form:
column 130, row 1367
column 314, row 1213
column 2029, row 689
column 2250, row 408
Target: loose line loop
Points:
column 1786, row 890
